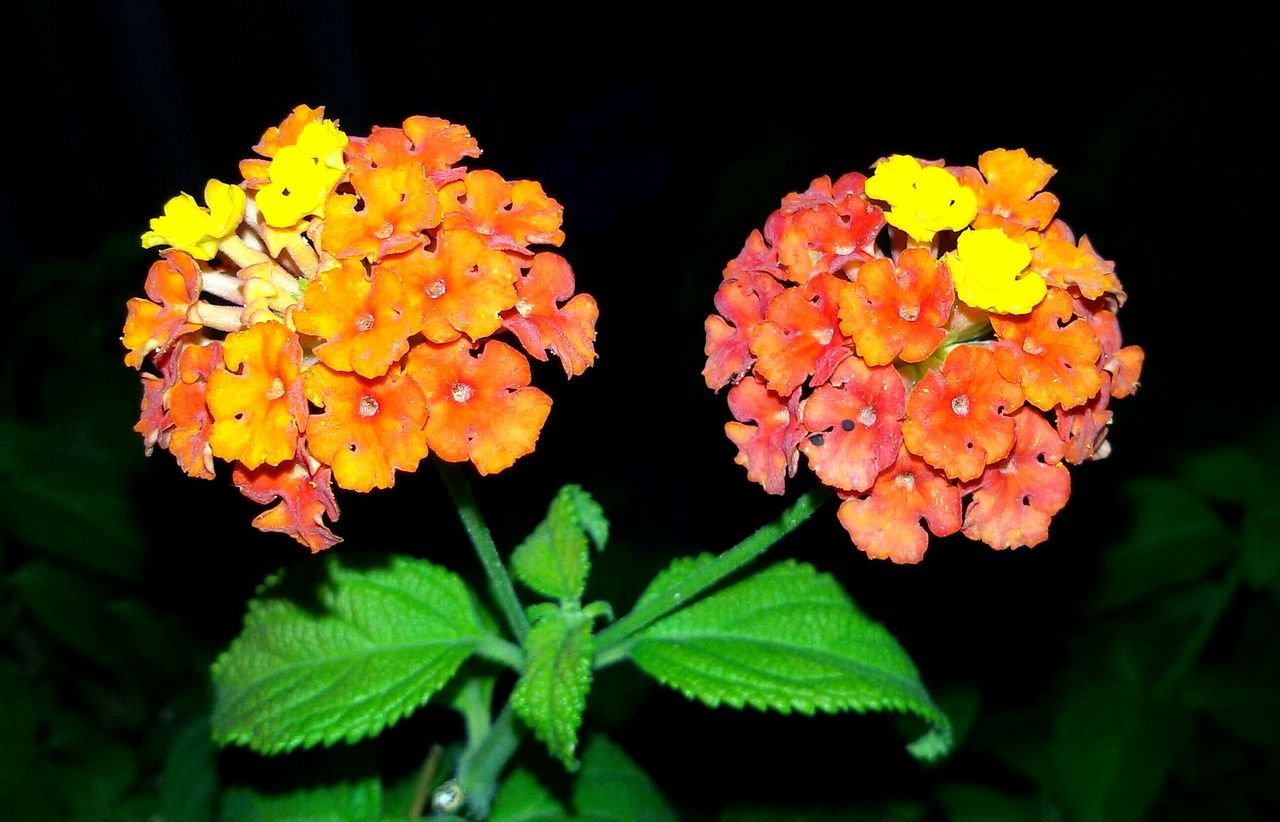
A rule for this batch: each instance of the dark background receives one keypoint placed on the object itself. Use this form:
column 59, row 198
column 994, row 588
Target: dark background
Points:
column 667, row 140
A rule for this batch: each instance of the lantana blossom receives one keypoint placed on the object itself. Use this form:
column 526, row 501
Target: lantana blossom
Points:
column 339, row 315
column 941, row 379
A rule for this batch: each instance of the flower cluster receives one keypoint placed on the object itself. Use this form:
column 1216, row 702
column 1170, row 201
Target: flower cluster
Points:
column 335, row 316
column 969, row 350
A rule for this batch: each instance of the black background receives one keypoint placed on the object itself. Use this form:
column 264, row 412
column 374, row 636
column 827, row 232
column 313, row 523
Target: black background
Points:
column 667, row 139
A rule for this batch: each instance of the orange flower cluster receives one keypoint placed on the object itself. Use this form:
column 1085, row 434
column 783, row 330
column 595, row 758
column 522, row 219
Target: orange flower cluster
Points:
column 968, row 351
column 335, row 317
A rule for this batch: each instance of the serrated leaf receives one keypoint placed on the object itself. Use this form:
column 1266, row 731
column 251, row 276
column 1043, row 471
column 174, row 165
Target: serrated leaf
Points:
column 552, row 692
column 1172, row 537
column 612, row 787
column 786, row 639
column 554, row 560
column 368, row 647
column 523, row 799
column 359, row 801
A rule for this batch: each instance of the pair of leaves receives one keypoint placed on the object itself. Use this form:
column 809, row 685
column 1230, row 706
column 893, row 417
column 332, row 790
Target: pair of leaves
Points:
column 342, row 656
column 610, row 786
column 555, row 561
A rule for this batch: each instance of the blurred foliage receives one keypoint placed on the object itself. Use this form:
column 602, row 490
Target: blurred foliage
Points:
column 1158, row 697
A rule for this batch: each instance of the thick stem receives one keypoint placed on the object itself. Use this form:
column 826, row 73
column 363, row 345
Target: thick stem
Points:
column 610, row 642
column 499, row 581
column 483, row 762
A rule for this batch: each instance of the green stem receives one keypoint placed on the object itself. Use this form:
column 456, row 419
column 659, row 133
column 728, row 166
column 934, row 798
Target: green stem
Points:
column 1199, row 637
column 483, row 763
column 610, row 642
column 499, row 581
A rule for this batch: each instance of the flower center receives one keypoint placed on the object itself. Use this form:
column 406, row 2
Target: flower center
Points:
column 824, row 335
column 868, row 416
column 436, row 290
column 364, row 322
column 960, row 405
column 909, row 312
column 905, row 481
column 524, row 308
column 368, row 406
column 1032, row 347
column 462, row 392
column 276, row 391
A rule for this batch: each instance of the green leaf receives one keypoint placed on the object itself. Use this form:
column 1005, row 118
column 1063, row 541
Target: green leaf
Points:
column 554, row 560
column 1173, row 537
column 612, row 787
column 786, row 639
column 1231, row 474
column 23, row 793
column 1241, row 702
column 1260, row 538
column 523, row 799
column 189, row 781
column 72, row 609
column 369, row 647
column 965, row 802
column 552, row 692
column 358, row 801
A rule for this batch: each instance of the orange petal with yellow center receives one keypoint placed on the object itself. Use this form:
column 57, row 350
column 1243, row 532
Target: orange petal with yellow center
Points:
column 364, row 319
column 1015, row 500
column 430, row 142
column 370, row 428
column 188, row 413
column 305, row 499
column 854, row 424
column 481, row 407
column 767, row 433
column 173, row 286
column 512, row 215
column 256, row 397
column 741, row 302
column 800, row 335
column 1054, row 360
column 548, row 316
column 900, row 312
column 886, row 523
column 391, row 208
column 956, row 416
column 462, row 286
column 1009, row 191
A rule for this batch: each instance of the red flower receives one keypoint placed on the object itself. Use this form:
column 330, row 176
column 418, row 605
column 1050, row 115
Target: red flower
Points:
column 548, row 316
column 898, row 312
column 741, row 302
column 854, row 424
column 767, row 433
column 800, row 336
column 885, row 524
column 305, row 499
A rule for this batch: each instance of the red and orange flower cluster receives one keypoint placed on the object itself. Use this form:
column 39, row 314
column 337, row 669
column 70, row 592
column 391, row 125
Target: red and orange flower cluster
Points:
column 968, row 351
column 335, row 316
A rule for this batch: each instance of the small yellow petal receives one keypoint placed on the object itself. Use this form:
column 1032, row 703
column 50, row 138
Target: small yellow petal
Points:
column 302, row 175
column 923, row 200
column 988, row 270
column 188, row 227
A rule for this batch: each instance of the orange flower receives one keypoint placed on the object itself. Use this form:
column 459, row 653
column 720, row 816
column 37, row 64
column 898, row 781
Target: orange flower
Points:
column 434, row 144
column 305, row 499
column 256, row 398
column 1084, row 428
column 154, row 418
column 1014, row 502
column 511, row 215
column 481, row 407
column 188, row 413
column 173, row 285
column 885, row 524
column 854, row 425
column 370, row 427
column 756, row 257
column 386, row 215
column 542, row 324
column 461, row 287
column 767, row 434
column 364, row 319
column 800, row 335
column 1055, row 362
column 741, row 302
column 842, row 194
column 956, row 417
column 822, row 239
column 1007, row 197
column 1122, row 362
column 902, row 312
column 1065, row 264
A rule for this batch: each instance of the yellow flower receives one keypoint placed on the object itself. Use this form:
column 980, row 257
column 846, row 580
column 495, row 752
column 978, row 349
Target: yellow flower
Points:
column 302, row 175
column 985, row 268
column 923, row 200
column 198, row 231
